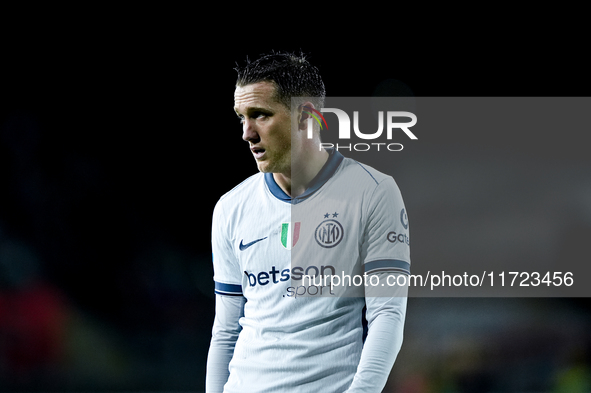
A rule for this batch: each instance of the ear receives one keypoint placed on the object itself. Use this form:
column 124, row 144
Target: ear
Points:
column 304, row 113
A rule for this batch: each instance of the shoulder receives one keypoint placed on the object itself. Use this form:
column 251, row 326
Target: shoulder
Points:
column 364, row 175
column 375, row 189
column 240, row 192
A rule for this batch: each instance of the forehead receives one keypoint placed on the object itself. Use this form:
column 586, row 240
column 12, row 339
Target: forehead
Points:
column 261, row 94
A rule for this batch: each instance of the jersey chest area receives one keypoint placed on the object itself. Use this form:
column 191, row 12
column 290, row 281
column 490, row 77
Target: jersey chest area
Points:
column 306, row 238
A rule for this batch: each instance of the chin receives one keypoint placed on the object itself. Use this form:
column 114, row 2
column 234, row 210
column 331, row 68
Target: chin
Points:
column 269, row 167
column 264, row 166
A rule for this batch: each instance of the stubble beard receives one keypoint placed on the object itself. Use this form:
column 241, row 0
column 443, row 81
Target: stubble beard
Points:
column 278, row 162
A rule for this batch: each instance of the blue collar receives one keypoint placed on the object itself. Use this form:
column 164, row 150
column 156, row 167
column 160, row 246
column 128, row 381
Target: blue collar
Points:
column 329, row 168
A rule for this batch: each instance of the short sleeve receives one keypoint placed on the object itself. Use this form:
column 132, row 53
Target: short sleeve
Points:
column 227, row 275
column 386, row 242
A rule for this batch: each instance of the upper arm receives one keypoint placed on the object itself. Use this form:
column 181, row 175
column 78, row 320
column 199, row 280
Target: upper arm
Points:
column 227, row 274
column 386, row 242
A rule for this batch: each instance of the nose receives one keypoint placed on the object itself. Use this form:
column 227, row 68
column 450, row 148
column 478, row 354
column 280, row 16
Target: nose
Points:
column 249, row 133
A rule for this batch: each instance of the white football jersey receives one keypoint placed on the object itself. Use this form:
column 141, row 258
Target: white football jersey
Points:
column 297, row 337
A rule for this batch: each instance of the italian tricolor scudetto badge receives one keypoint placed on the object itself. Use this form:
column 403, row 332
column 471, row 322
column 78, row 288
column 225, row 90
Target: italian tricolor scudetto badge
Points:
column 290, row 233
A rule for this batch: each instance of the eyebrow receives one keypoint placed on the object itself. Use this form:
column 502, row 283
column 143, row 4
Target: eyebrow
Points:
column 251, row 109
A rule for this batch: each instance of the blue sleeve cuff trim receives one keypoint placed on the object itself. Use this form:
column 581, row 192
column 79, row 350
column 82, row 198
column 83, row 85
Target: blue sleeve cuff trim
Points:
column 228, row 289
column 390, row 265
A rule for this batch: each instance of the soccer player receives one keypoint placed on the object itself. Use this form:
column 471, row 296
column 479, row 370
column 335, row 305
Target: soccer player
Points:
column 308, row 212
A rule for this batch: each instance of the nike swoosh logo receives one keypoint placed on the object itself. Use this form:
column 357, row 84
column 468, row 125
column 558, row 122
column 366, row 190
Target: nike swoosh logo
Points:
column 245, row 246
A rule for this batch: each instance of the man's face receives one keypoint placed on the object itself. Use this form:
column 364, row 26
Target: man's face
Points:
column 266, row 126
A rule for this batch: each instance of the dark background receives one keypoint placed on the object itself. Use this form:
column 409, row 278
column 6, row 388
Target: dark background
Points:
column 117, row 137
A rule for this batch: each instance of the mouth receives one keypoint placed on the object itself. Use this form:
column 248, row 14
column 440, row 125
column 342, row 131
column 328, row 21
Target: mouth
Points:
column 258, row 152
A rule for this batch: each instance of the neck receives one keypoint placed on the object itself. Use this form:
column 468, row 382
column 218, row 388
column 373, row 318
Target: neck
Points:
column 301, row 173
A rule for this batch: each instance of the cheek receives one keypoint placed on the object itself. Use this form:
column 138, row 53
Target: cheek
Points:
column 281, row 135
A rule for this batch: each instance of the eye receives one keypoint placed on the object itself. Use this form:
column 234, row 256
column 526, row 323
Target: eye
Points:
column 254, row 115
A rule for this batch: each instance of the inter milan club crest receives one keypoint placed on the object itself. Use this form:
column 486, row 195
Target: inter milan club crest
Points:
column 330, row 232
column 290, row 233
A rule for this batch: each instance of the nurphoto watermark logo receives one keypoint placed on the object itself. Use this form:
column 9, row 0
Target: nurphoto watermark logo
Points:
column 355, row 124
